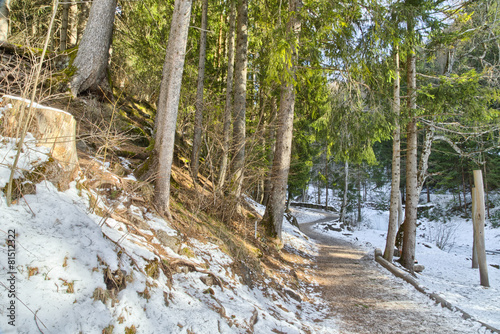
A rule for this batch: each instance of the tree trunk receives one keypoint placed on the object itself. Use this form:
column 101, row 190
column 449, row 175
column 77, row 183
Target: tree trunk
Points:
column 326, row 181
column 412, row 194
column 272, row 136
column 73, row 24
column 486, row 189
column 229, row 97
column 273, row 217
column 64, row 26
column 83, row 16
column 4, row 20
column 198, row 118
column 424, row 158
column 343, row 210
column 318, row 185
column 479, row 213
column 475, row 264
column 240, row 89
column 396, row 167
column 358, row 183
column 168, row 103
column 91, row 61
column 464, row 190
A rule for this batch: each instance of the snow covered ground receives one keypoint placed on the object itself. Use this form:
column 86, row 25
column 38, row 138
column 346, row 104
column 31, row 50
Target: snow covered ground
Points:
column 65, row 269
column 448, row 270
column 61, row 255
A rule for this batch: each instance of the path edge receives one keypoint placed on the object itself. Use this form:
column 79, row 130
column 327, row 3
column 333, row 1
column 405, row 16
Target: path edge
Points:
column 438, row 299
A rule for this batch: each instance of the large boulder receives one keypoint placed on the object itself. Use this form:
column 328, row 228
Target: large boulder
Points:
column 53, row 128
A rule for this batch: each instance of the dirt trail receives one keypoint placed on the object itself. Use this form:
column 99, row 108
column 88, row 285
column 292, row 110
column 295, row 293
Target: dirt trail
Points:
column 367, row 299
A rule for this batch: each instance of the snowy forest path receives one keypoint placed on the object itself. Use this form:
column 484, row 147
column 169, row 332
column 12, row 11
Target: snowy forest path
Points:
column 364, row 298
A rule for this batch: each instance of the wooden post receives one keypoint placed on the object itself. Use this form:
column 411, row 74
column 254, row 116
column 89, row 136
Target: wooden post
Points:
column 475, row 265
column 479, row 212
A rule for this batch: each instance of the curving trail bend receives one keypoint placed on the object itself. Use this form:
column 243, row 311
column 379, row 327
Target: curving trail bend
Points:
column 367, row 299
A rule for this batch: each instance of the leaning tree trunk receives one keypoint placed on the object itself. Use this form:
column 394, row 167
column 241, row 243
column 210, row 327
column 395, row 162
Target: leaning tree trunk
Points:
column 4, row 20
column 273, row 217
column 168, row 102
column 198, row 118
column 412, row 189
column 229, row 98
column 91, row 61
column 396, row 167
column 240, row 89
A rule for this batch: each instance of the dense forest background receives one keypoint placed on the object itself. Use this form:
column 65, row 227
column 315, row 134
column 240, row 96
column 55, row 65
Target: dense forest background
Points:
column 354, row 78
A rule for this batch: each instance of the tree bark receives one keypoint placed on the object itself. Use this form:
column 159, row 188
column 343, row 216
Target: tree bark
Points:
column 412, row 194
column 318, row 185
column 343, row 210
column 486, row 188
column 479, row 213
column 358, row 183
column 4, row 20
column 464, row 190
column 198, row 118
column 73, row 24
column 168, row 103
column 424, row 158
column 64, row 26
column 475, row 264
column 240, row 89
column 91, row 61
column 273, row 217
column 396, row 166
column 83, row 16
column 228, row 108
column 272, row 136
column 326, row 179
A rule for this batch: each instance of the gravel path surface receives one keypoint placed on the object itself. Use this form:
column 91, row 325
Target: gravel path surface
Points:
column 365, row 298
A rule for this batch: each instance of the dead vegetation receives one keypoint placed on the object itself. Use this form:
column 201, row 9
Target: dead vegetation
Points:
column 114, row 137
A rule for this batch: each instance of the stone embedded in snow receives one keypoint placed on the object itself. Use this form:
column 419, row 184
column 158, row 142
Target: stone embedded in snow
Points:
column 53, row 128
column 207, row 280
column 418, row 268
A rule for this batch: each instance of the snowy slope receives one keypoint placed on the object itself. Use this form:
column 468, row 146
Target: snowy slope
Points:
column 65, row 254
